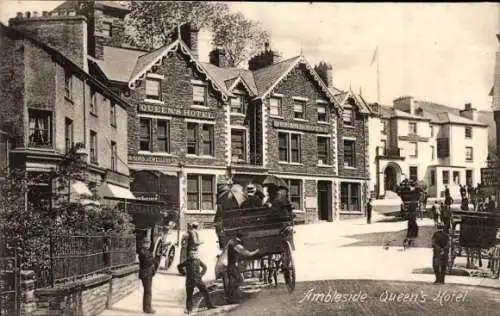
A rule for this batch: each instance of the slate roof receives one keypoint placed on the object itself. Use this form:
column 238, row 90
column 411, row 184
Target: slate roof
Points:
column 119, row 63
column 145, row 59
column 229, row 75
column 266, row 77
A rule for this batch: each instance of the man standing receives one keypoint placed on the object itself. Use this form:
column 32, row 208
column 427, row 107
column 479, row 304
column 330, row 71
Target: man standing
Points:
column 147, row 269
column 440, row 248
column 234, row 252
column 195, row 269
column 446, row 217
column 369, row 211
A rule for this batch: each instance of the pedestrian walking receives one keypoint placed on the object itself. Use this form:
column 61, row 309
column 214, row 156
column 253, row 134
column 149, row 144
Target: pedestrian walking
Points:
column 435, row 212
column 369, row 211
column 446, row 217
column 195, row 270
column 440, row 248
column 147, row 269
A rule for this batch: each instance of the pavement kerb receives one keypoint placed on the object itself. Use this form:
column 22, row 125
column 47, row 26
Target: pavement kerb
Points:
column 217, row 311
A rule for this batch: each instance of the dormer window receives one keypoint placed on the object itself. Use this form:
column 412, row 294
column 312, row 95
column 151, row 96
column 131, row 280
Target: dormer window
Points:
column 238, row 104
column 322, row 114
column 153, row 89
column 199, row 95
column 347, row 116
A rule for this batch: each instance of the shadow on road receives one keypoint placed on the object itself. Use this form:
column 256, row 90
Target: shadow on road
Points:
column 392, row 238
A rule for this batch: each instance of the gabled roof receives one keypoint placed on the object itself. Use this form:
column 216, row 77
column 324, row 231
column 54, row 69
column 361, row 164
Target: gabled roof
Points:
column 229, row 75
column 118, row 63
column 269, row 77
column 360, row 103
column 67, row 62
column 147, row 61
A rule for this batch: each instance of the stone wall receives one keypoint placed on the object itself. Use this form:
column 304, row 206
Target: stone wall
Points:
column 86, row 297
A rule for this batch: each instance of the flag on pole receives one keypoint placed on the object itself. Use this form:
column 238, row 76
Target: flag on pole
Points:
column 375, row 56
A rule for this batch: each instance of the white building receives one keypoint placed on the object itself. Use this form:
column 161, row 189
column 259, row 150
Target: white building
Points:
column 423, row 141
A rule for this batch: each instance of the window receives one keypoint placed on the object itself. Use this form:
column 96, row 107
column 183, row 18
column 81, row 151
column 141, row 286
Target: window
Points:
column 433, row 177
column 295, row 193
column 39, row 191
column 446, row 177
column 238, row 145
column 114, row 156
column 432, row 131
column 468, row 154
column 238, row 104
column 349, row 153
column 413, row 173
column 468, row 177
column 68, row 84
column 322, row 114
column 200, row 192
column 153, row 89
column 432, row 152
column 299, row 107
column 384, row 126
column 107, row 29
column 68, row 134
column 350, row 197
column 456, row 177
column 40, row 128
column 112, row 114
column 93, row 102
column 275, row 106
column 163, row 135
column 93, row 147
column 203, row 144
column 145, row 134
column 289, row 147
column 323, row 150
column 468, row 132
column 413, row 149
column 200, row 95
column 412, row 128
column 347, row 116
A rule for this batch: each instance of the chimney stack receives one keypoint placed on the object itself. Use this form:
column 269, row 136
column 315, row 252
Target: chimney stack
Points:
column 189, row 35
column 218, row 57
column 65, row 32
column 469, row 112
column 405, row 104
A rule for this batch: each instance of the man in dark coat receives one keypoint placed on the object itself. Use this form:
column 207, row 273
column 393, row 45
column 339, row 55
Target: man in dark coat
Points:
column 440, row 248
column 195, row 270
column 235, row 251
column 369, row 211
column 147, row 269
column 446, row 217
column 253, row 197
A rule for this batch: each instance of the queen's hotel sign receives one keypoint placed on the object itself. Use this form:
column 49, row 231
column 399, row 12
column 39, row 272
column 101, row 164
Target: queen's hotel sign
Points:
column 174, row 111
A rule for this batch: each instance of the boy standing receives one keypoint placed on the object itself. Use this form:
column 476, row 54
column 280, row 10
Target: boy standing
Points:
column 195, row 269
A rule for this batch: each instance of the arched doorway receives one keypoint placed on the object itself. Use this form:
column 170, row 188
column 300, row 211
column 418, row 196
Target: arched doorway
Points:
column 392, row 176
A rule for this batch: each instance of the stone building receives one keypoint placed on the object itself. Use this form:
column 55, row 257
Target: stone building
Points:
column 54, row 102
column 193, row 125
column 422, row 141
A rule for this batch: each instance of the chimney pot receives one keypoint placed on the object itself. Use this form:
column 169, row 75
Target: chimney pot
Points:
column 19, row 15
column 28, row 14
column 35, row 14
column 45, row 13
column 468, row 106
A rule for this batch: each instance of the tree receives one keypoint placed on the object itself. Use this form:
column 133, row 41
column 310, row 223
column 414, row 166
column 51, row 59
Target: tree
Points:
column 151, row 24
column 239, row 37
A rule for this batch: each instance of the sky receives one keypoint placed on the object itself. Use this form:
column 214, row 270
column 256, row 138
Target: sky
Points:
column 437, row 52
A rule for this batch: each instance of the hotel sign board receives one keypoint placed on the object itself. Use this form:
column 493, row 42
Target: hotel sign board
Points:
column 302, row 127
column 490, row 177
column 164, row 160
column 166, row 110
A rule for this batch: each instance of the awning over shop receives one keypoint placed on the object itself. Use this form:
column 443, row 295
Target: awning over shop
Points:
column 80, row 188
column 80, row 193
column 111, row 191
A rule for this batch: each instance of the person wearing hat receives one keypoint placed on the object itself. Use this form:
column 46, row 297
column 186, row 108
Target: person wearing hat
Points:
column 147, row 269
column 369, row 211
column 193, row 239
column 253, row 197
column 440, row 248
column 235, row 251
column 195, row 270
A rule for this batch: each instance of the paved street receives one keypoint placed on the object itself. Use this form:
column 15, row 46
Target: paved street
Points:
column 349, row 250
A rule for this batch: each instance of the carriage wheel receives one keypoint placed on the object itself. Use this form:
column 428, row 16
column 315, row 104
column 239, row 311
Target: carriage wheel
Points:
column 288, row 267
column 169, row 259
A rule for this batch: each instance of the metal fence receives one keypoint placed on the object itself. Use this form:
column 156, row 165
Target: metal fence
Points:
column 9, row 279
column 71, row 258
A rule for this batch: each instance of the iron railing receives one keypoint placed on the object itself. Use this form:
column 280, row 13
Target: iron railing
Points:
column 70, row 258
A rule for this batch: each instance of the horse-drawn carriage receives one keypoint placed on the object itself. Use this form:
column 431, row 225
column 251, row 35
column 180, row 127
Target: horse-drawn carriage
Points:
column 476, row 235
column 268, row 229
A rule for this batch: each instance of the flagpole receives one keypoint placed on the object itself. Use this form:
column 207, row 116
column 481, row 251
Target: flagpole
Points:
column 378, row 77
